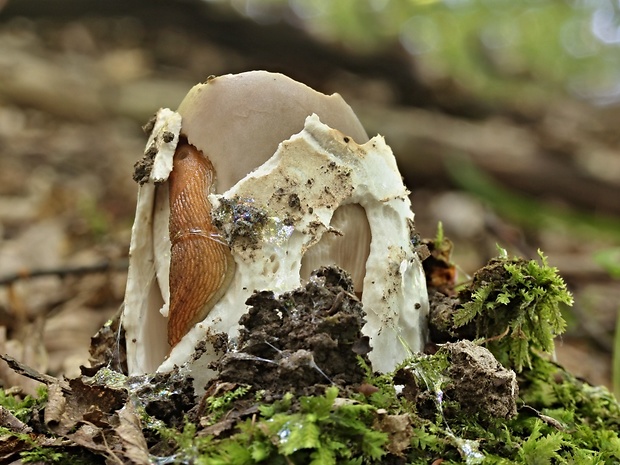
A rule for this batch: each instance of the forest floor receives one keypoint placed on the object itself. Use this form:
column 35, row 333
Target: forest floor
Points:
column 75, row 90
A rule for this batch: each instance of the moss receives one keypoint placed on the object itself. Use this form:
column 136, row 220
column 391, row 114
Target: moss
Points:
column 310, row 429
column 23, row 408
column 514, row 306
column 560, row 419
column 216, row 406
column 49, row 455
column 457, row 405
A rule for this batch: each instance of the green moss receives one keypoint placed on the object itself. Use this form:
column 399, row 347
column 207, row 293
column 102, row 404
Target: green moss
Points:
column 515, row 305
column 416, row 415
column 311, row 430
column 217, row 406
column 23, row 409
column 561, row 420
column 49, row 455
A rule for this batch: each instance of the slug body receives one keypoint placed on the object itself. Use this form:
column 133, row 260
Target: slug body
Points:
column 201, row 265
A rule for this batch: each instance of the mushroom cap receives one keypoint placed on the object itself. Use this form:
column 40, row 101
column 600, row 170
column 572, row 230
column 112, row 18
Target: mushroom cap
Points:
column 238, row 120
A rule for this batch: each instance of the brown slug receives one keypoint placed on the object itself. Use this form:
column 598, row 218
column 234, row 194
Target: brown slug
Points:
column 201, row 265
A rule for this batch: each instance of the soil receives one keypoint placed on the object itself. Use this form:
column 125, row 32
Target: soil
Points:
column 479, row 383
column 71, row 135
column 301, row 340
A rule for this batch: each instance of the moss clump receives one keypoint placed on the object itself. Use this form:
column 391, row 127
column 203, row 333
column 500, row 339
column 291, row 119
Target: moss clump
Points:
column 514, row 305
column 49, row 455
column 455, row 404
column 23, row 408
column 560, row 420
column 419, row 414
column 305, row 430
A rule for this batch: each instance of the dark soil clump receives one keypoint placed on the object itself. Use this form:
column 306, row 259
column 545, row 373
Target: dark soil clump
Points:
column 479, row 383
column 302, row 340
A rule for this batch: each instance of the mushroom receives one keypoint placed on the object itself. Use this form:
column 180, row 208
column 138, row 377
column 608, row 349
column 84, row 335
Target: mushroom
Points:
column 281, row 187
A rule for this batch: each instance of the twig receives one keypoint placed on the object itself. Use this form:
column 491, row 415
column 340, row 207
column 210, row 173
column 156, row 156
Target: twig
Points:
column 24, row 370
column 62, row 272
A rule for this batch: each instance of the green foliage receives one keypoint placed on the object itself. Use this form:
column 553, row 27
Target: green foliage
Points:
column 316, row 432
column 42, row 455
column 616, row 358
column 563, row 421
column 439, row 236
column 539, row 449
column 429, row 368
column 547, row 386
column 22, row 409
column 610, row 260
column 218, row 405
column 567, row 421
column 515, row 305
column 588, row 417
column 95, row 217
column 521, row 52
column 50, row 455
column 424, row 440
column 186, row 443
column 385, row 397
column 529, row 211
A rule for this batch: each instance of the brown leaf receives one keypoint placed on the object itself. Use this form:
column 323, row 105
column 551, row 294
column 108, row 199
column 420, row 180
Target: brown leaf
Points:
column 131, row 437
column 55, row 407
column 219, row 427
column 93, row 439
column 94, row 404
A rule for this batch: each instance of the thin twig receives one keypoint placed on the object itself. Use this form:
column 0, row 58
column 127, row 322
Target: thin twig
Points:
column 24, row 370
column 64, row 271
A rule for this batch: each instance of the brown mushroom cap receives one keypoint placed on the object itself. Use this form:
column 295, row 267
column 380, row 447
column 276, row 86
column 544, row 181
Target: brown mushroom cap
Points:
column 238, row 120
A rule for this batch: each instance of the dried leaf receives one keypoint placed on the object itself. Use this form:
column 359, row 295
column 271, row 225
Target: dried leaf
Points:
column 131, row 437
column 55, row 407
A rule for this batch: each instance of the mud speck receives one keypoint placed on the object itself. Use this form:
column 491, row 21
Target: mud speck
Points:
column 302, row 340
column 142, row 168
column 149, row 125
column 294, row 202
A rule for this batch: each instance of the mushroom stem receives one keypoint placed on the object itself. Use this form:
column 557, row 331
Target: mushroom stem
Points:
column 201, row 265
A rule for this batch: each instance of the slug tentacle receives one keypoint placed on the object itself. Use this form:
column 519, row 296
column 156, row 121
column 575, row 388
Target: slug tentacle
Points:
column 201, row 264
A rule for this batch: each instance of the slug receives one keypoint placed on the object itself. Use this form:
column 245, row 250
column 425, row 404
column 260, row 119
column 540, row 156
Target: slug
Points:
column 201, row 265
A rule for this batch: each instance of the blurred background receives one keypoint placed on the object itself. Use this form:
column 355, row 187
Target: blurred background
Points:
column 503, row 116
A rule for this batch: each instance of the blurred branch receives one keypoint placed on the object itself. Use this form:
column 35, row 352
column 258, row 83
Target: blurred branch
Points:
column 302, row 56
column 538, row 160
column 548, row 152
column 63, row 272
